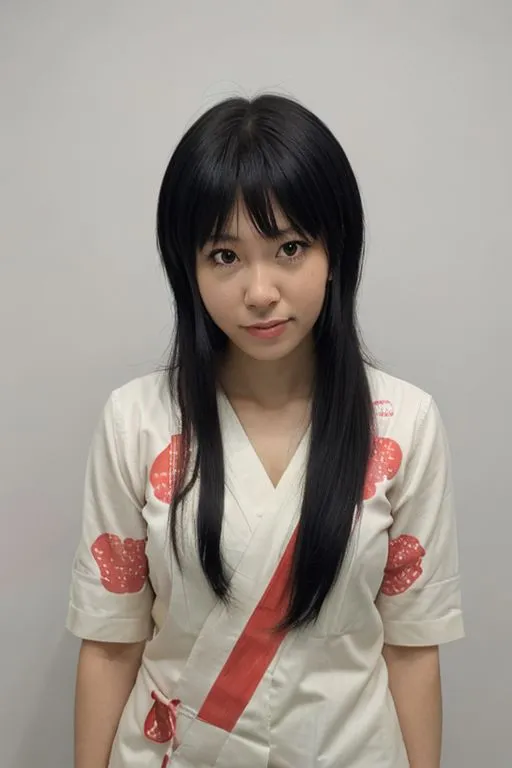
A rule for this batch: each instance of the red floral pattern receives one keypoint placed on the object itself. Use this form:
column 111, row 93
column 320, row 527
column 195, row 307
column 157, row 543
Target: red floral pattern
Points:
column 122, row 563
column 385, row 461
column 404, row 565
column 383, row 408
column 165, row 469
column 160, row 723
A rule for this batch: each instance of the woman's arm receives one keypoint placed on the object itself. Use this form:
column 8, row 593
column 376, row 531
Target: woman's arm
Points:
column 415, row 684
column 105, row 678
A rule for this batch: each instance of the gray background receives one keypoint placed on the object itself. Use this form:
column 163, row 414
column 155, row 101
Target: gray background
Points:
column 93, row 98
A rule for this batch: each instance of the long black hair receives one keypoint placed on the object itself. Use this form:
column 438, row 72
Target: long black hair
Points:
column 265, row 151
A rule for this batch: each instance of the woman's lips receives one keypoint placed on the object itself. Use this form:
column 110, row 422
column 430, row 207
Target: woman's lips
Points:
column 267, row 330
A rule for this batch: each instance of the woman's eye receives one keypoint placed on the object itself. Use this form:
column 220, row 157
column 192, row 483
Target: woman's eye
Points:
column 294, row 248
column 223, row 258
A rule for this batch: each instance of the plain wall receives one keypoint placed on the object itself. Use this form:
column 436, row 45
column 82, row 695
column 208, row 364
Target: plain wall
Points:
column 94, row 96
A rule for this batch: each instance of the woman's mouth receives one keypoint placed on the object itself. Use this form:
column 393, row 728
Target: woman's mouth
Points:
column 270, row 329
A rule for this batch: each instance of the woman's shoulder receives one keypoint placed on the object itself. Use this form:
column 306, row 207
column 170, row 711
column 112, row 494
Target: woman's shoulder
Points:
column 146, row 399
column 150, row 387
column 397, row 398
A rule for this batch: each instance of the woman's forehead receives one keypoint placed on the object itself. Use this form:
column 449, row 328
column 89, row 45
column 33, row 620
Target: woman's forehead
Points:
column 240, row 224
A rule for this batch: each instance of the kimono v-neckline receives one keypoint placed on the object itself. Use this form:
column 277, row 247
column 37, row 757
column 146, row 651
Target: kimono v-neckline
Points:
column 246, row 475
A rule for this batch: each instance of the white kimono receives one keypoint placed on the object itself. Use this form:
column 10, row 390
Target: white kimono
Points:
column 216, row 687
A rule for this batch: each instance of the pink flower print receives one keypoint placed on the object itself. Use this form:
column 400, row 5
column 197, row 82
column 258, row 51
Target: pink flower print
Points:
column 383, row 408
column 384, row 464
column 165, row 469
column 122, row 563
column 404, row 565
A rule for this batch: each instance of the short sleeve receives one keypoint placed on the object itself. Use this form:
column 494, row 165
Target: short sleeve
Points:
column 419, row 600
column 111, row 597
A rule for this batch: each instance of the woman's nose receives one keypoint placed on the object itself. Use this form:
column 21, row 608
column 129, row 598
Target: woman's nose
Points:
column 261, row 290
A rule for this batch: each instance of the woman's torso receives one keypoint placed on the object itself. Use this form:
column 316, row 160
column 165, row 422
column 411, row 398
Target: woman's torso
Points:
column 317, row 697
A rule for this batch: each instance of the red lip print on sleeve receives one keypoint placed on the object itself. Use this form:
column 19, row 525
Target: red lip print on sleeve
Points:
column 404, row 565
column 165, row 468
column 160, row 723
column 384, row 464
column 383, row 408
column 123, row 565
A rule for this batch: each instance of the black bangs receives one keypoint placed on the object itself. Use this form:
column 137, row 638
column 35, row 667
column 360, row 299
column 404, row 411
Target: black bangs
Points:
column 260, row 184
column 265, row 170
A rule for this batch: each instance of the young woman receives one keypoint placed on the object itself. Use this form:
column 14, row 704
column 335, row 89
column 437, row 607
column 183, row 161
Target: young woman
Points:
column 268, row 561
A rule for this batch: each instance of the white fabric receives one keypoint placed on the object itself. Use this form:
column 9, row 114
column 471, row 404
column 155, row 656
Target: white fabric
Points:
column 324, row 699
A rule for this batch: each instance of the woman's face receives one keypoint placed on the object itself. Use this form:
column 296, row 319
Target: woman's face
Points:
column 266, row 295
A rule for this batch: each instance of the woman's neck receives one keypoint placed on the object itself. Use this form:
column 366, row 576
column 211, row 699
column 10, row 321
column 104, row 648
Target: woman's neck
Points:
column 270, row 384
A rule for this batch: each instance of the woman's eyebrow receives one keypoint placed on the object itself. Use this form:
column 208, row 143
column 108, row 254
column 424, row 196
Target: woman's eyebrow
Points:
column 224, row 237
column 227, row 237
